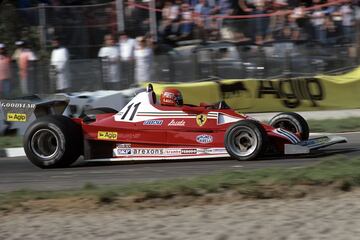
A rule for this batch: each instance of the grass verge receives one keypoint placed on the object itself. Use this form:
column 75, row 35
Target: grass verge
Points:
column 335, row 125
column 10, row 141
column 339, row 172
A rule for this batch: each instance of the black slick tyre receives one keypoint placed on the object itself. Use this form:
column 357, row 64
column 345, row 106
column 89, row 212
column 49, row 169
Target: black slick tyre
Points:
column 246, row 140
column 53, row 141
column 291, row 122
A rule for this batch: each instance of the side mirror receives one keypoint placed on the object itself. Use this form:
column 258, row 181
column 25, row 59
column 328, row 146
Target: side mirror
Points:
column 150, row 88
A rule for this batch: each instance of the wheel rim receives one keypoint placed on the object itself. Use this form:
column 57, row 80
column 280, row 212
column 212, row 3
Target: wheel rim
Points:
column 44, row 144
column 287, row 125
column 244, row 142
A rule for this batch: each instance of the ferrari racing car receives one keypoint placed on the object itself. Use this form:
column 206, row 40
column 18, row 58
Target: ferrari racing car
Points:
column 146, row 130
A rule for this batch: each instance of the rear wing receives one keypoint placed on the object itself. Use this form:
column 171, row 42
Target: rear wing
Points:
column 20, row 110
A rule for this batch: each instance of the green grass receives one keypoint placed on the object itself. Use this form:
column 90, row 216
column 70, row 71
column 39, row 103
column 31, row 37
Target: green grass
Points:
column 335, row 125
column 10, row 141
column 338, row 171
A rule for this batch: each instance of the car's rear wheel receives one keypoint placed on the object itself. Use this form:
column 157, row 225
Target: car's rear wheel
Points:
column 291, row 122
column 53, row 141
column 245, row 140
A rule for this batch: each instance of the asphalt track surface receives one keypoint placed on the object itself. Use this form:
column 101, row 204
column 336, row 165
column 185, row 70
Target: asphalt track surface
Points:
column 19, row 173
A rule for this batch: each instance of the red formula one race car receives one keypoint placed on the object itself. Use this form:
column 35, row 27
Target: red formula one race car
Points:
column 145, row 130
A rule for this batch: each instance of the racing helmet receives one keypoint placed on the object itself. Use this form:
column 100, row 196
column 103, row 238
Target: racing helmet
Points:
column 171, row 97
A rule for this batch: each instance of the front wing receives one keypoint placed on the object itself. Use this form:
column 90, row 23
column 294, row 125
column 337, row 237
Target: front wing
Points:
column 305, row 147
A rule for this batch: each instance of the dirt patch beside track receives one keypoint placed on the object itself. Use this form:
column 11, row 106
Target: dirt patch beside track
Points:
column 325, row 213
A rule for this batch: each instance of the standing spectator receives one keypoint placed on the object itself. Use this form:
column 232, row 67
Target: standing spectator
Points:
column 347, row 22
column 4, row 72
column 60, row 65
column 165, row 26
column 186, row 22
column 202, row 19
column 16, row 54
column 260, row 22
column 109, row 55
column 25, row 59
column 318, row 19
column 126, row 48
column 224, row 7
column 143, row 61
column 299, row 15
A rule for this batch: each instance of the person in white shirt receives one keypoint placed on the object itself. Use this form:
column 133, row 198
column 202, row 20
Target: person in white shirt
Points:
column 60, row 66
column 126, row 48
column 143, row 61
column 110, row 59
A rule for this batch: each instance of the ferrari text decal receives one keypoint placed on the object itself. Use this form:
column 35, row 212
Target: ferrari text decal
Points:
column 16, row 117
column 201, row 119
column 153, row 122
column 204, row 139
column 107, row 135
column 179, row 123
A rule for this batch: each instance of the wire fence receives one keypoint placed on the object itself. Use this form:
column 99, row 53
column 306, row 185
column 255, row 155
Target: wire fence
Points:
column 198, row 63
column 215, row 46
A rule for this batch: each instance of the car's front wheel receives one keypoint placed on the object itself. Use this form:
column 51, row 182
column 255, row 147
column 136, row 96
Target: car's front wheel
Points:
column 291, row 122
column 53, row 141
column 245, row 140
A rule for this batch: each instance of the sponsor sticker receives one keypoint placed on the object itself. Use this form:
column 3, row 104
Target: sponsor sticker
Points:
column 123, row 145
column 17, row 111
column 107, row 135
column 215, row 151
column 204, row 139
column 148, row 151
column 173, row 151
column 201, row 119
column 179, row 123
column 189, row 151
column 16, row 117
column 17, row 105
column 153, row 122
column 315, row 141
column 123, row 151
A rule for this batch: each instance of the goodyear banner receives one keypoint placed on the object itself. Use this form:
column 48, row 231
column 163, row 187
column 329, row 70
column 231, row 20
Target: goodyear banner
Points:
column 17, row 111
column 287, row 94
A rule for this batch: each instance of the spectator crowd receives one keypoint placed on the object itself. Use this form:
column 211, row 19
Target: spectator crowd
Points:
column 126, row 60
column 322, row 21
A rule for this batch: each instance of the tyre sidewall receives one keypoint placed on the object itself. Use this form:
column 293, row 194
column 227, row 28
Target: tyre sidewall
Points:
column 253, row 126
column 66, row 151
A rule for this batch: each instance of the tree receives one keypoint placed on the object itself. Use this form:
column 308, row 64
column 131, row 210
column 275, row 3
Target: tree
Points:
column 14, row 28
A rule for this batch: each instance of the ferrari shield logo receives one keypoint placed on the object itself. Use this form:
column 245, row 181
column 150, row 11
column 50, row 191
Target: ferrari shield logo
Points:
column 201, row 119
